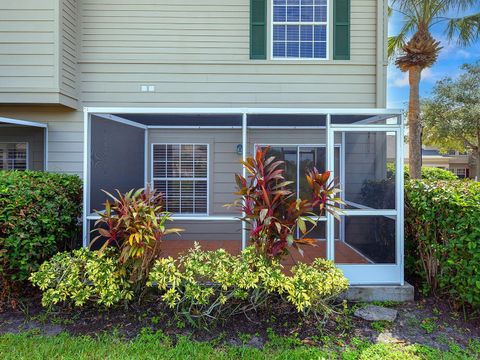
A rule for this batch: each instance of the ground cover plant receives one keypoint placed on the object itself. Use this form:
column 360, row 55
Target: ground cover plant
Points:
column 39, row 215
column 442, row 238
column 205, row 287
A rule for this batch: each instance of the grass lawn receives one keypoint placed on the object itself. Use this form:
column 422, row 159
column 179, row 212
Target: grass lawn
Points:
column 155, row 345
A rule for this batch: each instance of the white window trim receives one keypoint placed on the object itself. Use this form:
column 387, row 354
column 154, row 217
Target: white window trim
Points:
column 326, row 23
column 27, row 150
column 207, row 179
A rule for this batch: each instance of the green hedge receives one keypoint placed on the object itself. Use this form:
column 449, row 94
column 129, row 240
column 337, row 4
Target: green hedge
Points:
column 443, row 237
column 428, row 173
column 39, row 214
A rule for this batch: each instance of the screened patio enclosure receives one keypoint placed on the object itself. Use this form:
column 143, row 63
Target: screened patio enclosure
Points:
column 192, row 155
column 23, row 145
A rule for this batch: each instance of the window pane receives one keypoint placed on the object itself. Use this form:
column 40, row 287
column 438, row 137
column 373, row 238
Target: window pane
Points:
column 279, row 32
column 289, row 156
column 292, row 49
column 293, row 13
column 320, row 13
column 280, row 13
column 293, row 32
column 320, row 33
column 174, row 168
column 306, row 33
column 306, row 49
column 279, row 49
column 367, row 240
column 307, row 13
column 320, row 50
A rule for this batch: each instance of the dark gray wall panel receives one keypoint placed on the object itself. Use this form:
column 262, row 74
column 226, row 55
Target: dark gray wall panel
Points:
column 117, row 159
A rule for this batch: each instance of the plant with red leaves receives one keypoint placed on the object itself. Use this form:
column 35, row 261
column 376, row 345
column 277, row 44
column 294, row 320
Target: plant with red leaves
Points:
column 272, row 210
column 135, row 223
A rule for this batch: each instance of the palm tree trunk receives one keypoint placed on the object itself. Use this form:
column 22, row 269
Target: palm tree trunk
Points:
column 414, row 125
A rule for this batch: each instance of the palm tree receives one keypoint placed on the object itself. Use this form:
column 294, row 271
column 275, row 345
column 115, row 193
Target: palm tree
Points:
column 415, row 49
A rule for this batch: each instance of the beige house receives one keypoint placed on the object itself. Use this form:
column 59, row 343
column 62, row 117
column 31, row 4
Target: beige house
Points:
column 457, row 163
column 173, row 94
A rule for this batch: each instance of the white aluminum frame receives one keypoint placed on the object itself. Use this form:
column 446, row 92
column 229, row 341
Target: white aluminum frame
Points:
column 207, row 179
column 326, row 23
column 357, row 273
column 372, row 274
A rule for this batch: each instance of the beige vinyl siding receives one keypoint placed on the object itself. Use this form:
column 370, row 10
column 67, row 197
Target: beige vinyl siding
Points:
column 27, row 45
column 68, row 47
column 65, row 134
column 33, row 52
column 197, row 54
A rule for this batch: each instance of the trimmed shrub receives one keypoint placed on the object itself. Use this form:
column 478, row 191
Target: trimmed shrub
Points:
column 39, row 215
column 80, row 277
column 206, row 286
column 428, row 173
column 443, row 238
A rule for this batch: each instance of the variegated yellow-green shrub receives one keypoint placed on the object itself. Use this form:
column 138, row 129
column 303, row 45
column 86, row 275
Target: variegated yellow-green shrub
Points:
column 204, row 286
column 81, row 277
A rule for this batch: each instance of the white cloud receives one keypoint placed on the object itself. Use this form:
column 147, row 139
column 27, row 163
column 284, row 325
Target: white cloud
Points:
column 397, row 78
column 401, row 80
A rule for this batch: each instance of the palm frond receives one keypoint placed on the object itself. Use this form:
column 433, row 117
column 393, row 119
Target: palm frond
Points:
column 465, row 29
column 396, row 42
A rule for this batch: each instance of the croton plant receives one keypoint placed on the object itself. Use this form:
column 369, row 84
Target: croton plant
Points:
column 273, row 212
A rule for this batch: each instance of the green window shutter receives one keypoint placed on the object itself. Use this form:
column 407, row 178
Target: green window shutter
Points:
column 258, row 29
column 341, row 30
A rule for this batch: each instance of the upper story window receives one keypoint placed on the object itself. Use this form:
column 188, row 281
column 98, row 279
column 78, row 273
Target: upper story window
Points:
column 299, row 29
column 180, row 172
column 13, row 156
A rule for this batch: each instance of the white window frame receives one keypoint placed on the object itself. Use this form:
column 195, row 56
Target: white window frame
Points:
column 327, row 35
column 207, row 179
column 27, row 150
column 456, row 172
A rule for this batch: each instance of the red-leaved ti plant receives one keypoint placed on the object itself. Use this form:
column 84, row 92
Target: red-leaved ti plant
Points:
column 136, row 223
column 273, row 212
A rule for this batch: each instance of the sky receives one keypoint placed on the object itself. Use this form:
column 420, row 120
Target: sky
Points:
column 448, row 64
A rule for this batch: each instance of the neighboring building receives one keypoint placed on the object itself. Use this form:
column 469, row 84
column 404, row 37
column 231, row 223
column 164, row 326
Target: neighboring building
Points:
column 175, row 93
column 454, row 161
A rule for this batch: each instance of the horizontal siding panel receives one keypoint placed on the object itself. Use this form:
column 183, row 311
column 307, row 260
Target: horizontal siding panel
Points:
column 27, row 70
column 226, row 87
column 41, row 60
column 25, row 26
column 27, row 48
column 31, row 49
column 270, row 68
column 9, row 83
column 248, row 79
column 35, row 37
column 26, row 15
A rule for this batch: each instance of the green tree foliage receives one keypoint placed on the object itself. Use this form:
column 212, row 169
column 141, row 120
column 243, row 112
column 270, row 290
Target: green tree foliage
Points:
column 415, row 49
column 451, row 117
